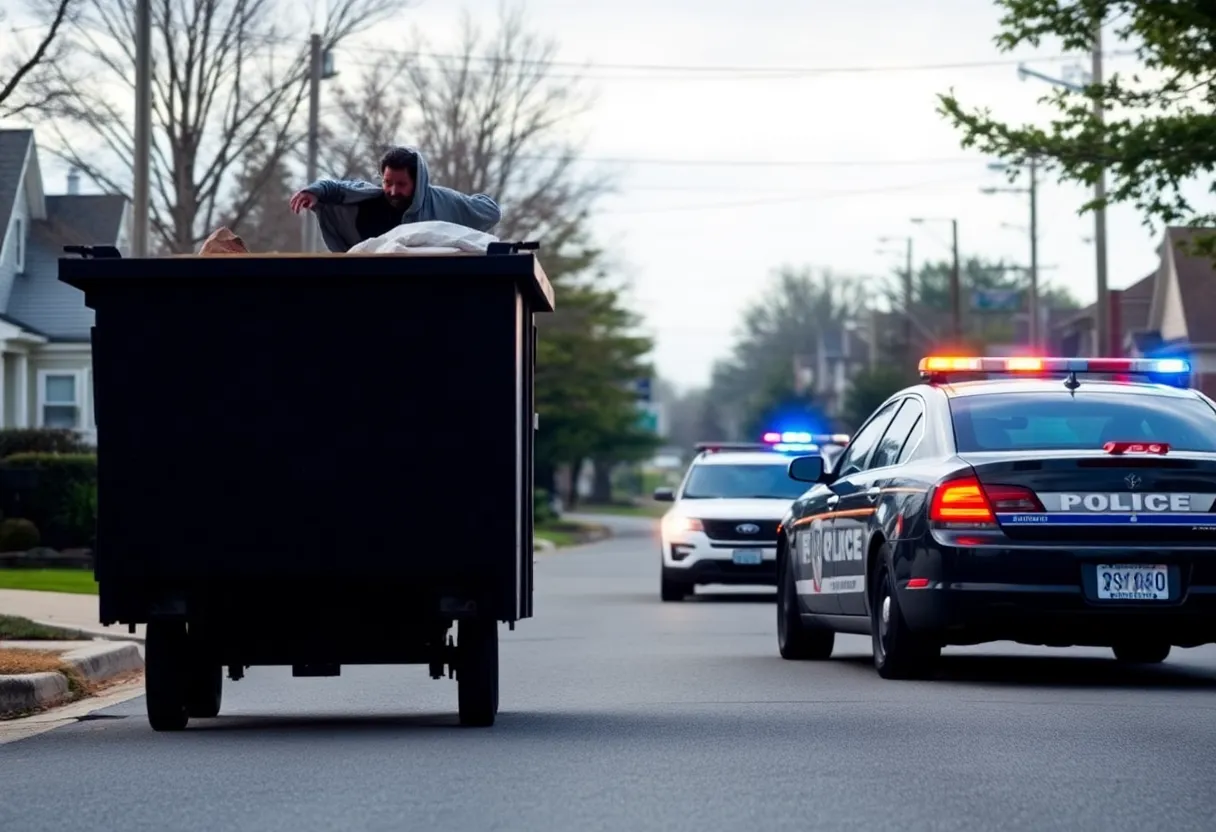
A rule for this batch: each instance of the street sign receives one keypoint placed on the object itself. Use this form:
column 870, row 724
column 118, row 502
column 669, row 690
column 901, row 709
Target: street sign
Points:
column 996, row 300
column 642, row 389
column 649, row 418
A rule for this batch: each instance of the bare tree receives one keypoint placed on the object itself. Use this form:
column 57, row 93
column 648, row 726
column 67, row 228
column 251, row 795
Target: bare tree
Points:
column 23, row 68
column 227, row 82
column 262, row 188
column 490, row 118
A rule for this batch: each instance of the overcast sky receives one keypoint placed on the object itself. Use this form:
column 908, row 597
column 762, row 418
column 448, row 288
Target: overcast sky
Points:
column 727, row 173
column 708, row 215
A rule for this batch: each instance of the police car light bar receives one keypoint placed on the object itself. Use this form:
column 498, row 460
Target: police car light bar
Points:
column 939, row 366
column 796, row 437
column 714, row 447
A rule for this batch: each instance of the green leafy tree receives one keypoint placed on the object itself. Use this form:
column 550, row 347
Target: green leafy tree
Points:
column 1159, row 131
column 589, row 352
column 786, row 322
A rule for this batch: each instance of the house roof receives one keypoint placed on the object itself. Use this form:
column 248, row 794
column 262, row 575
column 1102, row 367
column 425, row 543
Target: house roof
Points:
column 1196, row 284
column 1135, row 305
column 39, row 300
column 14, row 148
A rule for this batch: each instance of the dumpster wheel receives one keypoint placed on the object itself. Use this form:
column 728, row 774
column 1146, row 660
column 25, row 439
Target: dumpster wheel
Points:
column 477, row 671
column 205, row 690
column 166, row 657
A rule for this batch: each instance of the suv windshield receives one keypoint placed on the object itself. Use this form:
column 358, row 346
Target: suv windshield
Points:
column 740, row 482
column 1061, row 421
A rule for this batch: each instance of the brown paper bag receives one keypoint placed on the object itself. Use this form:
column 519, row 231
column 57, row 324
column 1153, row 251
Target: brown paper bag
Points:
column 223, row 241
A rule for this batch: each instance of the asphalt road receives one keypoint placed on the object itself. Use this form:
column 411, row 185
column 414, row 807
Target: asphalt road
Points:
column 622, row 713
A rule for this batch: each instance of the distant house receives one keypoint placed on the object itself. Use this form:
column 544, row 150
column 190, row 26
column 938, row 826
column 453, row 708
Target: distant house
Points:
column 45, row 354
column 1169, row 312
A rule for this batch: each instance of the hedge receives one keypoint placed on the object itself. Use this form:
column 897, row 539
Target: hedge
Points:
column 57, row 492
column 41, row 441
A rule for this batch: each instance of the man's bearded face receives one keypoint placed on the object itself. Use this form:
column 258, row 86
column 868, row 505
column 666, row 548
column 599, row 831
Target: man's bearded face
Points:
column 398, row 187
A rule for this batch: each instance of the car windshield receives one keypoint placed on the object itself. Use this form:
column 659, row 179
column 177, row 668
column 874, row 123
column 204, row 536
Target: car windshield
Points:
column 1043, row 421
column 740, row 482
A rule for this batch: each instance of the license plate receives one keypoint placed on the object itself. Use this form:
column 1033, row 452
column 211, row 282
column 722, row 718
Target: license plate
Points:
column 1124, row 582
column 747, row 557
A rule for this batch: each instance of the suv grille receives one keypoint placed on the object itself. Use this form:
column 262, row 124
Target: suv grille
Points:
column 725, row 530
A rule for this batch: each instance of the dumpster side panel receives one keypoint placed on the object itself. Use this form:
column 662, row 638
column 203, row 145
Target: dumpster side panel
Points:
column 376, row 431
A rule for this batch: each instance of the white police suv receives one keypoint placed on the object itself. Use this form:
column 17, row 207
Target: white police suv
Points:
column 723, row 526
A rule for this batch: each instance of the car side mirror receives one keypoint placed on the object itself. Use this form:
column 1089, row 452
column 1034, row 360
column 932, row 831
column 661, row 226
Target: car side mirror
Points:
column 807, row 469
column 664, row 495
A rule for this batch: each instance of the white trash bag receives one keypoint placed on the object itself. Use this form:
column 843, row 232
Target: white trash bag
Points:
column 426, row 238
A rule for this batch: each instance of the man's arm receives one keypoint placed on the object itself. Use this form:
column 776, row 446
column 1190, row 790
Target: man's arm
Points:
column 338, row 191
column 474, row 211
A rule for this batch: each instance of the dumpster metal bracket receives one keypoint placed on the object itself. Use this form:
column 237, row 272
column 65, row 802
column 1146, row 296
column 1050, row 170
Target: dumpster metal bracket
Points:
column 512, row 248
column 95, row 252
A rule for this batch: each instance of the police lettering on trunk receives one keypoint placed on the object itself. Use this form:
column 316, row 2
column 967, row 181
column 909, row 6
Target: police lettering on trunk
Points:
column 1125, row 502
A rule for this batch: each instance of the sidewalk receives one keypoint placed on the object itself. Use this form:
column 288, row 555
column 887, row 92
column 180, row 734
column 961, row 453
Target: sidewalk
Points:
column 63, row 609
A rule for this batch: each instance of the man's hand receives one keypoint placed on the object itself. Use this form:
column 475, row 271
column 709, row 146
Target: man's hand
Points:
column 302, row 201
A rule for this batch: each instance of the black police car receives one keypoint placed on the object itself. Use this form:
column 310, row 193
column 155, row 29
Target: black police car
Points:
column 1047, row 501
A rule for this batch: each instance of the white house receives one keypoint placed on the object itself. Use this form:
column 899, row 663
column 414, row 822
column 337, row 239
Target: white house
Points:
column 46, row 365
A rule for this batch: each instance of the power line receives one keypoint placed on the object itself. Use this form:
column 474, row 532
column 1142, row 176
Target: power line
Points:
column 766, row 163
column 806, row 197
column 704, row 71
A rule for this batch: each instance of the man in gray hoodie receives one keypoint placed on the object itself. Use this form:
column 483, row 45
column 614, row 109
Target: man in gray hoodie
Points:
column 350, row 211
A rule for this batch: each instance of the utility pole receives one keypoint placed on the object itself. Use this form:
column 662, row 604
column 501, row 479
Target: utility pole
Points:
column 908, row 298
column 956, row 290
column 1034, row 254
column 314, row 130
column 140, row 192
column 1102, row 307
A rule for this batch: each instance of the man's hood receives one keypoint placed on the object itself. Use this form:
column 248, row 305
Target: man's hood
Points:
column 421, row 182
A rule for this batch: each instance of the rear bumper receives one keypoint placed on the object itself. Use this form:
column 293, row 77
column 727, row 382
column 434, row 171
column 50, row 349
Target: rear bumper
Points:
column 1050, row 597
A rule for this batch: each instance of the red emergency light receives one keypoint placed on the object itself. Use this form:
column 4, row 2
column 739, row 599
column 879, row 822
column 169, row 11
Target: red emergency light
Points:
column 1120, row 448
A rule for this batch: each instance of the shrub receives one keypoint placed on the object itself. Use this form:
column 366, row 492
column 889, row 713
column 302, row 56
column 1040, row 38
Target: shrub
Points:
column 18, row 535
column 542, row 506
column 40, row 441
column 57, row 492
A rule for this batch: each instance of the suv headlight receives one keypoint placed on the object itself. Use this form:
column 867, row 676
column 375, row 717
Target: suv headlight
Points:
column 678, row 524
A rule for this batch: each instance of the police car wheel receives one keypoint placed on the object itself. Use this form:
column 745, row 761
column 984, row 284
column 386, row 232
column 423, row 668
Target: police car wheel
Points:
column 795, row 640
column 899, row 652
column 477, row 671
column 1142, row 652
column 166, row 679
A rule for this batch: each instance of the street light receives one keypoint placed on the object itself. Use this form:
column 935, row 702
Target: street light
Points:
column 956, row 305
column 1032, row 191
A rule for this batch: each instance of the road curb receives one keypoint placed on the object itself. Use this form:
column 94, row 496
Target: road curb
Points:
column 94, row 661
column 96, row 632
column 543, row 546
column 31, row 690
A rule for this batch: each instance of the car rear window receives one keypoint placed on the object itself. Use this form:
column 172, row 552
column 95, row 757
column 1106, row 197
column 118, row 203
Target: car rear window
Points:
column 1062, row 421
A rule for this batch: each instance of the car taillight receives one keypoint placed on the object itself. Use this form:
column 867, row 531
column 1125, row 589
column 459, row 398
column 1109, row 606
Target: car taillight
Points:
column 1007, row 498
column 967, row 502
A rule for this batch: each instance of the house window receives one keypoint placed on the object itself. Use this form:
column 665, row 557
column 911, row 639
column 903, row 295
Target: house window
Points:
column 60, row 400
column 19, row 244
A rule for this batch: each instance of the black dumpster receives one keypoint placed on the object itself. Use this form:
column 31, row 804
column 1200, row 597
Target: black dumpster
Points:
column 313, row 460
